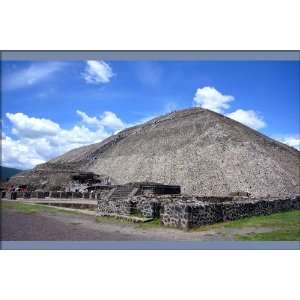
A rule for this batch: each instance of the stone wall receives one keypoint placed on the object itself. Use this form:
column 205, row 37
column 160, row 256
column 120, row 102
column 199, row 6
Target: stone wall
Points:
column 187, row 214
column 181, row 211
column 51, row 194
column 148, row 207
column 159, row 189
column 121, row 207
column 248, row 208
column 185, row 211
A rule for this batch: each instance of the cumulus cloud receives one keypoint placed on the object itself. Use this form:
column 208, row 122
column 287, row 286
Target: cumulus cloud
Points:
column 210, row 98
column 31, row 75
column 97, row 72
column 107, row 119
column 17, row 154
column 32, row 127
column 292, row 140
column 38, row 140
column 248, row 117
column 92, row 121
column 110, row 120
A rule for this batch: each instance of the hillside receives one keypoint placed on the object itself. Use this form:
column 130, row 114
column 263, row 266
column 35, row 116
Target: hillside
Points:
column 8, row 172
column 204, row 152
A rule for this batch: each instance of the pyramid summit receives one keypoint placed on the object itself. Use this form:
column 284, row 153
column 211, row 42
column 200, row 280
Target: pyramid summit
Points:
column 204, row 152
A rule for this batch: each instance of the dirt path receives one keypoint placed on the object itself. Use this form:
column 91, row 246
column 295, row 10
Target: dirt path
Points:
column 64, row 227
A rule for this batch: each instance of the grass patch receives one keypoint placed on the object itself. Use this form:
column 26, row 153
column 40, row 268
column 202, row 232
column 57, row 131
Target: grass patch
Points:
column 286, row 227
column 28, row 208
column 277, row 235
column 155, row 223
column 283, row 219
column 108, row 219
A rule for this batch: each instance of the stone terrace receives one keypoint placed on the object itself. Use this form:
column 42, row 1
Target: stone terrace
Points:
column 175, row 210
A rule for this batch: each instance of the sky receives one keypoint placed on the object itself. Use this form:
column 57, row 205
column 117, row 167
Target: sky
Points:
column 50, row 107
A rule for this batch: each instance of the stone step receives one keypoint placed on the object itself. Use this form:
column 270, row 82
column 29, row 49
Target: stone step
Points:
column 133, row 219
column 120, row 193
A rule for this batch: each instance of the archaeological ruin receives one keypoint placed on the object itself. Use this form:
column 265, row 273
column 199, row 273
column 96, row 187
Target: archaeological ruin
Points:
column 164, row 202
column 187, row 168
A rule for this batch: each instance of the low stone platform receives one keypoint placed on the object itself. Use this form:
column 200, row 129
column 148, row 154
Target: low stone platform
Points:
column 139, row 203
column 129, row 218
column 187, row 214
column 183, row 211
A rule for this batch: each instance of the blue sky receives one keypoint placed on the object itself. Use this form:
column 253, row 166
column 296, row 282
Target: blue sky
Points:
column 51, row 107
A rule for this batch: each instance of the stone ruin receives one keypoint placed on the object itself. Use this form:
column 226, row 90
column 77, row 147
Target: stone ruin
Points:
column 165, row 202
column 128, row 199
column 187, row 213
column 57, row 177
column 86, row 181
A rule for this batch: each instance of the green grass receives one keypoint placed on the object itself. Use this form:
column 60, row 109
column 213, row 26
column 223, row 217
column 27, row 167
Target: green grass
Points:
column 108, row 219
column 278, row 235
column 143, row 225
column 285, row 225
column 155, row 223
column 28, row 208
column 289, row 218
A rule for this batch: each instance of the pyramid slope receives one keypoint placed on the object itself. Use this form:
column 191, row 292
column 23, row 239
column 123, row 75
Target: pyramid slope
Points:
column 204, row 152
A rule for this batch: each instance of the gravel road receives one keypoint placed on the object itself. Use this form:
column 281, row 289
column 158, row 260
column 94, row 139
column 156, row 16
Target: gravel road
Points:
column 22, row 227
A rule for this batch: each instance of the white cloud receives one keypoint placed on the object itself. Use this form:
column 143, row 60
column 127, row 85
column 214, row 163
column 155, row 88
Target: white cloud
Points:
column 110, row 120
column 209, row 98
column 80, row 135
column 292, row 140
column 38, row 140
column 97, row 72
column 35, row 73
column 93, row 121
column 248, row 117
column 17, row 154
column 32, row 127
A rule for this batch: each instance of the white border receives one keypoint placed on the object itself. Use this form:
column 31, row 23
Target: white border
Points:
column 141, row 25
column 150, row 275
column 149, row 25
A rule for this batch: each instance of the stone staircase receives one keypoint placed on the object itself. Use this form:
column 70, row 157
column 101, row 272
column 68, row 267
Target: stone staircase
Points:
column 122, row 192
